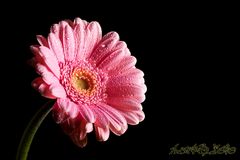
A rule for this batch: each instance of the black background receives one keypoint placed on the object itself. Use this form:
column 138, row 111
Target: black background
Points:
column 190, row 70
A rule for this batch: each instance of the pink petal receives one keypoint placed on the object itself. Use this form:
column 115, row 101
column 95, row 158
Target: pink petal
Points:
column 80, row 142
column 132, row 92
column 140, row 115
column 114, row 57
column 125, row 91
column 68, row 43
column 69, row 107
column 79, row 134
column 79, row 21
column 42, row 40
column 55, row 29
column 43, row 88
column 70, row 23
column 61, row 31
column 131, row 77
column 120, row 45
column 50, row 60
column 92, row 37
column 57, row 90
column 124, row 104
column 116, row 131
column 126, row 63
column 89, row 127
column 102, row 134
column 37, row 82
column 116, row 120
column 112, row 60
column 82, row 135
column 101, row 119
column 35, row 51
column 127, row 52
column 59, row 114
column 79, row 32
column 104, row 47
column 56, row 46
column 132, row 72
column 47, row 75
column 84, row 128
column 87, row 113
column 131, row 118
column 140, row 98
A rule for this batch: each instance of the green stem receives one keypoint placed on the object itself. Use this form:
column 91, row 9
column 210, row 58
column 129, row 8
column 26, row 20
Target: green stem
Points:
column 31, row 129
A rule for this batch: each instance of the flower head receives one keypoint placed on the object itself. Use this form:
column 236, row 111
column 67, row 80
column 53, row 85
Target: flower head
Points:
column 93, row 78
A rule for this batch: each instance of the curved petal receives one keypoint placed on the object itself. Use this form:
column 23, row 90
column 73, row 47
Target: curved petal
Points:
column 126, row 80
column 79, row 134
column 114, row 57
column 57, row 90
column 42, row 40
column 79, row 33
column 120, row 45
column 131, row 118
column 112, row 60
column 37, row 82
column 70, row 23
column 43, row 88
column 125, row 91
column 102, row 134
column 59, row 115
column 80, row 142
column 56, row 46
column 61, row 31
column 89, row 127
column 126, row 63
column 131, row 73
column 37, row 57
column 93, row 36
column 68, row 43
column 50, row 60
column 55, row 29
column 116, row 121
column 124, row 104
column 116, row 131
column 69, row 107
column 87, row 113
column 140, row 115
column 136, row 93
column 47, row 76
column 79, row 21
column 104, row 47
column 101, row 119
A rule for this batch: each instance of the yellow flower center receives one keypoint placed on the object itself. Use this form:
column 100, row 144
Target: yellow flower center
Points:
column 84, row 81
column 81, row 83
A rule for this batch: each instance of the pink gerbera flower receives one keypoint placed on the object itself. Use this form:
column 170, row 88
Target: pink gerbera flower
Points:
column 93, row 78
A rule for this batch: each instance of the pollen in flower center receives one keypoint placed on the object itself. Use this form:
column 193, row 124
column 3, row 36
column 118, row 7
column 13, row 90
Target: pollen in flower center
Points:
column 83, row 81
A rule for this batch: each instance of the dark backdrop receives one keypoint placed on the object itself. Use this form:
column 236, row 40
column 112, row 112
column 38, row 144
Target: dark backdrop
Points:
column 190, row 72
